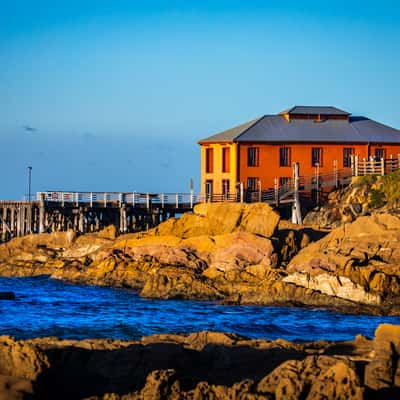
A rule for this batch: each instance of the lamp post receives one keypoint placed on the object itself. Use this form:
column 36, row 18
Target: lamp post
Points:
column 29, row 182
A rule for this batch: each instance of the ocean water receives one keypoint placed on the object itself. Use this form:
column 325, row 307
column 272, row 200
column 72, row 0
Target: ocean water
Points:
column 48, row 307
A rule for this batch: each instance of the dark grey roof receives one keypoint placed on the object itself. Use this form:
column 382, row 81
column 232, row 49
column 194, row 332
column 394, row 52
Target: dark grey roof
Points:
column 230, row 134
column 314, row 110
column 275, row 128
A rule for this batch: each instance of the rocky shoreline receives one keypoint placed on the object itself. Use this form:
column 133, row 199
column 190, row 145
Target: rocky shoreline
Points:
column 203, row 365
column 234, row 253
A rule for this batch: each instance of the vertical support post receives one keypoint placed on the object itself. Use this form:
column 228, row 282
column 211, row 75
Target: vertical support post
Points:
column 133, row 199
column 276, row 191
column 162, row 200
column 81, row 223
column 12, row 221
column 42, row 213
column 23, row 220
column 364, row 166
column 241, row 192
column 91, row 199
column 148, row 201
column 4, row 220
column 123, row 221
column 336, row 173
column 296, row 207
column 191, row 198
column 317, row 181
column 28, row 217
column 259, row 190
column 105, row 200
column 19, row 221
column 356, row 164
column 177, row 201
column 398, row 161
column 353, row 169
column 382, row 166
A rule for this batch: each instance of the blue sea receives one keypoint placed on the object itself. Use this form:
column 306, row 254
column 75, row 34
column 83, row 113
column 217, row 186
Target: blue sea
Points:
column 48, row 307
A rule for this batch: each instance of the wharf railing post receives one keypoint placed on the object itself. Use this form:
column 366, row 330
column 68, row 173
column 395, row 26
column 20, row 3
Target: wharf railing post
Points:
column 105, row 199
column 148, row 201
column 241, row 192
column 398, row 161
column 62, row 199
column 76, row 198
column 133, row 199
column 259, row 190
column 191, row 198
column 364, row 166
column 162, row 200
column 91, row 200
column 335, row 173
column 382, row 166
column 120, row 199
column 177, row 201
column 276, row 192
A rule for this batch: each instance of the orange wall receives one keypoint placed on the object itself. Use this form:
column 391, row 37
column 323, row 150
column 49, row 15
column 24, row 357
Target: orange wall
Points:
column 217, row 175
column 269, row 168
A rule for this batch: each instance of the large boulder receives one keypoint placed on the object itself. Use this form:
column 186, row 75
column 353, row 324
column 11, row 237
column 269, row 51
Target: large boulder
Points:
column 383, row 372
column 221, row 218
column 366, row 252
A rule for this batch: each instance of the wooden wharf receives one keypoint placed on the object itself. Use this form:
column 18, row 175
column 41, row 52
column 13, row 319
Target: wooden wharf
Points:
column 86, row 212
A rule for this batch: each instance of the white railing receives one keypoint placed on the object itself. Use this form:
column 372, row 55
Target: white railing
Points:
column 128, row 198
column 374, row 165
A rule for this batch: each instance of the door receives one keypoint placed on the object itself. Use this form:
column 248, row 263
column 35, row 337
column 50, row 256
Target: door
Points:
column 209, row 189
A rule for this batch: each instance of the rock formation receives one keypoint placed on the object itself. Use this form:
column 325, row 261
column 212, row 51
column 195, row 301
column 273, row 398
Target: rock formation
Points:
column 358, row 261
column 201, row 365
column 366, row 195
column 236, row 253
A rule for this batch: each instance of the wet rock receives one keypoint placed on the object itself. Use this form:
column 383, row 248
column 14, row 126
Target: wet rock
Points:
column 384, row 370
column 7, row 296
column 200, row 365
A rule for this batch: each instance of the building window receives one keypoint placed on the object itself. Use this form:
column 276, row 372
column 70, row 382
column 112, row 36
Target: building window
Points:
column 284, row 156
column 252, row 157
column 225, row 187
column 209, row 161
column 347, row 153
column 380, row 153
column 252, row 183
column 226, row 159
column 316, row 156
column 284, row 181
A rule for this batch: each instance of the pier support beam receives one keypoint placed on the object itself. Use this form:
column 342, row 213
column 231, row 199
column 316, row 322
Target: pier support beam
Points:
column 42, row 214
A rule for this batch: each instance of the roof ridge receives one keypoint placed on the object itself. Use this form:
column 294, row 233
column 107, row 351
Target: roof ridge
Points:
column 251, row 126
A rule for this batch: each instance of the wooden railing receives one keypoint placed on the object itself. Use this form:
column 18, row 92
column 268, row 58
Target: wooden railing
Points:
column 374, row 166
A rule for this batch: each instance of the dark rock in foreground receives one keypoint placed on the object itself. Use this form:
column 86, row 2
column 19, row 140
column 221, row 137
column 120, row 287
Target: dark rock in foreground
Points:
column 204, row 365
column 7, row 296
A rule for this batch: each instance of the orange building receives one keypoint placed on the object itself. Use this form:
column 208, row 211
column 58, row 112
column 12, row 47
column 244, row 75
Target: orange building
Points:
column 262, row 151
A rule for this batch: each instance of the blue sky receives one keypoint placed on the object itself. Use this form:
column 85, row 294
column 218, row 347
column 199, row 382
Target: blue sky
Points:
column 119, row 92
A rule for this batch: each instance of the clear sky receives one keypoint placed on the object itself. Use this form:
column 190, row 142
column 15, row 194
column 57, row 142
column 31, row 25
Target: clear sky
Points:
column 114, row 95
